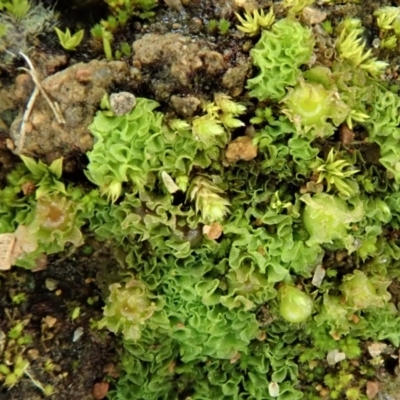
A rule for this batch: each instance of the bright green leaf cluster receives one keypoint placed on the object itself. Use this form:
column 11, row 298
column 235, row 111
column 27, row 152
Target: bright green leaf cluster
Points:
column 55, row 223
column 17, row 8
column 296, row 6
column 252, row 24
column 46, row 178
column 383, row 127
column 120, row 153
column 127, row 309
column 68, row 41
column 278, row 55
column 351, row 48
column 294, row 305
column 388, row 20
column 289, row 274
column 314, row 110
column 208, row 200
column 136, row 146
column 327, row 219
column 335, row 173
column 362, row 292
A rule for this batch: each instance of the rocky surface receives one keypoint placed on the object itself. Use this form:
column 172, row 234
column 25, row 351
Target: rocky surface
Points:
column 176, row 61
column 77, row 90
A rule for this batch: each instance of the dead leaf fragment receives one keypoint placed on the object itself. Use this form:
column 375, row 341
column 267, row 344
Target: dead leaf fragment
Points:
column 235, row 358
column 248, row 5
column 346, row 134
column 28, row 188
column 7, row 243
column 49, row 321
column 312, row 187
column 313, row 16
column 40, row 263
column 33, row 354
column 319, row 275
column 25, row 243
column 111, row 370
column 372, row 389
column 241, row 148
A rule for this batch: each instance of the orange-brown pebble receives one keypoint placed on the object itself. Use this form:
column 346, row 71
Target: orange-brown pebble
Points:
column 346, row 134
column 84, row 75
column 100, row 390
column 241, row 148
column 213, row 231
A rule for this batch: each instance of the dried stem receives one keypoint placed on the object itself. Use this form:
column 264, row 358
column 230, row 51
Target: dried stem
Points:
column 38, row 89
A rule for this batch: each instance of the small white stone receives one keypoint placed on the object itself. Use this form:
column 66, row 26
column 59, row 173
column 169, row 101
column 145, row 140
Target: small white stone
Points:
column 376, row 43
column 376, row 349
column 273, row 389
column 319, row 275
column 77, row 334
column 335, row 356
column 122, row 103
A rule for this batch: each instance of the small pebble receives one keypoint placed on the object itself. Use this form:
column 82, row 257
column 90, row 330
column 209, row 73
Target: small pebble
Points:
column 51, row 284
column 122, row 103
column 100, row 390
column 376, row 43
column 174, row 4
column 376, row 349
column 77, row 334
column 335, row 356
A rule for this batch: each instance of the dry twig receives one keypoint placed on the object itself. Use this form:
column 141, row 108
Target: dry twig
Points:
column 38, row 88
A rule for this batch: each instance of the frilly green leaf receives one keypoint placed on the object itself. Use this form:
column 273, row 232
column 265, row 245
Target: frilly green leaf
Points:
column 128, row 308
column 327, row 219
column 314, row 110
column 278, row 54
column 363, row 292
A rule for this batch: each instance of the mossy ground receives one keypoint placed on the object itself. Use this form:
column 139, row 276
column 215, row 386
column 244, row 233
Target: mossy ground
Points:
column 84, row 274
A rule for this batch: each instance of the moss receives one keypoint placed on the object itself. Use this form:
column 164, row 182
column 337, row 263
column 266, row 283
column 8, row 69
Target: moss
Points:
column 315, row 110
column 21, row 26
column 305, row 240
column 278, row 58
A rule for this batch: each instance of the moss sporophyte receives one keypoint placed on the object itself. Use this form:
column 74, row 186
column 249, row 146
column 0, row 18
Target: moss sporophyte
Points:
column 255, row 241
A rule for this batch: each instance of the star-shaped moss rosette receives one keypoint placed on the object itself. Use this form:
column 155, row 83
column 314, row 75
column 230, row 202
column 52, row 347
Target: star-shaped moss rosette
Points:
column 334, row 172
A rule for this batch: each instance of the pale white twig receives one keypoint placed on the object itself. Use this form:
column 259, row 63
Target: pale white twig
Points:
column 32, row 72
column 38, row 89
column 27, row 113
